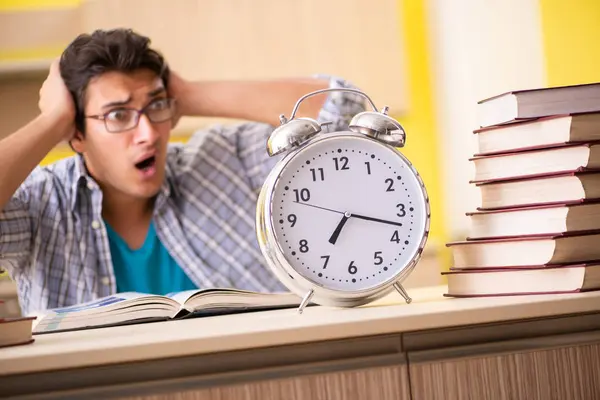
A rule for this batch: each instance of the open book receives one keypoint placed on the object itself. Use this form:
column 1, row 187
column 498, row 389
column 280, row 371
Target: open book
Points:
column 132, row 308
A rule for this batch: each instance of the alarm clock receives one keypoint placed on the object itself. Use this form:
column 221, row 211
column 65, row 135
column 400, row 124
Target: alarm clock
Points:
column 343, row 217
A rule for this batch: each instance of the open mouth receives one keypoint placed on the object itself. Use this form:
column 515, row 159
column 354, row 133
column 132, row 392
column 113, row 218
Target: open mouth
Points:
column 146, row 163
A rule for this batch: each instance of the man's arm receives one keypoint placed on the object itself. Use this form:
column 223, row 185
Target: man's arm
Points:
column 260, row 101
column 249, row 139
column 23, row 150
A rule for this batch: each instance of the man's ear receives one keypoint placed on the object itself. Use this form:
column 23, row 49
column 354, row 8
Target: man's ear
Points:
column 77, row 142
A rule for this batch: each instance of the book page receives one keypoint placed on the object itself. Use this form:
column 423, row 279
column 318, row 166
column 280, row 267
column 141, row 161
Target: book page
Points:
column 182, row 297
column 115, row 309
column 99, row 303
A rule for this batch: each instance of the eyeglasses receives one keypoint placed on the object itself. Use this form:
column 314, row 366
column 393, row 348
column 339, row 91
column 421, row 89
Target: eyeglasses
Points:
column 124, row 119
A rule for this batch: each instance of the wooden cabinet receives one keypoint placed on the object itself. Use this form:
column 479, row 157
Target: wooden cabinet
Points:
column 384, row 383
column 542, row 347
column 570, row 372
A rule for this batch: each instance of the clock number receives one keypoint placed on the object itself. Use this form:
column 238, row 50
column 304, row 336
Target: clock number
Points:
column 352, row 268
column 303, row 246
column 390, row 182
column 320, row 171
column 342, row 161
column 402, row 212
column 368, row 167
column 378, row 258
column 326, row 261
column 292, row 220
column 303, row 194
column 395, row 237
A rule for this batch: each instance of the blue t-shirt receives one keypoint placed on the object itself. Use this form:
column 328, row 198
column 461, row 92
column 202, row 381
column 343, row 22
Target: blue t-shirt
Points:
column 149, row 269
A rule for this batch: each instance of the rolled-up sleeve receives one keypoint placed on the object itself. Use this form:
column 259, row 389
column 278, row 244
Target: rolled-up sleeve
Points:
column 338, row 109
column 15, row 230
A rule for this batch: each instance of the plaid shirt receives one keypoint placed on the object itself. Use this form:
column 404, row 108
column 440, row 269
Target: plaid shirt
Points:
column 53, row 241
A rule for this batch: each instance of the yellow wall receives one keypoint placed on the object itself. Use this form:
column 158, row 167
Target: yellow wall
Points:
column 419, row 122
column 38, row 53
column 57, row 154
column 27, row 5
column 45, row 52
column 570, row 33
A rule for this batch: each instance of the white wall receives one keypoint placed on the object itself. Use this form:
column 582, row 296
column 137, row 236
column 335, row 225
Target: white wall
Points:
column 479, row 48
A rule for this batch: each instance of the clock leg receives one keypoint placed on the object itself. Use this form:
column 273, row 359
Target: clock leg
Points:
column 402, row 292
column 305, row 300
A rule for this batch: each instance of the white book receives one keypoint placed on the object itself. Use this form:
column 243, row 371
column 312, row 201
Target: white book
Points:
column 130, row 308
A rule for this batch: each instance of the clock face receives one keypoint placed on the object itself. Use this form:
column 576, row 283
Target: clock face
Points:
column 348, row 213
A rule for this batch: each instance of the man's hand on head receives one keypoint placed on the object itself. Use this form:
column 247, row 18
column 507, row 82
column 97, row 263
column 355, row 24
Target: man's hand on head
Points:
column 178, row 89
column 56, row 101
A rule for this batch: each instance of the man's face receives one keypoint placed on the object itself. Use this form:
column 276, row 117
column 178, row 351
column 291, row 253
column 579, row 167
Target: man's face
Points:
column 131, row 162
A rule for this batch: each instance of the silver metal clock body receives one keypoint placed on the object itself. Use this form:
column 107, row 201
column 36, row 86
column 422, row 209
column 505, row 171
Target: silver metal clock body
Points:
column 343, row 217
column 380, row 211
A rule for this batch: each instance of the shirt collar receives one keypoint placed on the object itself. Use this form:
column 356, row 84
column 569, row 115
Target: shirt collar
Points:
column 83, row 179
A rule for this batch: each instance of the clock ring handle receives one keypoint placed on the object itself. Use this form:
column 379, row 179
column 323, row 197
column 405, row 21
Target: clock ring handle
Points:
column 284, row 120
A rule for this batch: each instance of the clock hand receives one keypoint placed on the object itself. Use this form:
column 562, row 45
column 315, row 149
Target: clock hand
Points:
column 359, row 216
column 322, row 208
column 339, row 227
column 383, row 221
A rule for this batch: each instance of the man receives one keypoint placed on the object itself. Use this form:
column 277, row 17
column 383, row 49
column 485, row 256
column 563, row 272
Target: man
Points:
column 130, row 212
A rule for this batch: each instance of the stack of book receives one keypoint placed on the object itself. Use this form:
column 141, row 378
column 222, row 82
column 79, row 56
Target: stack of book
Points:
column 14, row 328
column 537, row 168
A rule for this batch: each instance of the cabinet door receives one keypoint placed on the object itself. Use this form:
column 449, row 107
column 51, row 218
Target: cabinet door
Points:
column 383, row 383
column 533, row 369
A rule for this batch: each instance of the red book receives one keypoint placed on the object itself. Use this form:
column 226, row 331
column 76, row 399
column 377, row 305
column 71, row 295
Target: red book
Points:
column 526, row 251
column 543, row 189
column 537, row 280
column 518, row 105
column 538, row 133
column 536, row 220
column 16, row 331
column 571, row 157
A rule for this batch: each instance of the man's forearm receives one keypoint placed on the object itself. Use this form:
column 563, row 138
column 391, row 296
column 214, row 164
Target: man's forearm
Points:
column 261, row 101
column 23, row 150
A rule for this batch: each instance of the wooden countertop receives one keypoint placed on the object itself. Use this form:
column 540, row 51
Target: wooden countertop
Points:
column 429, row 310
